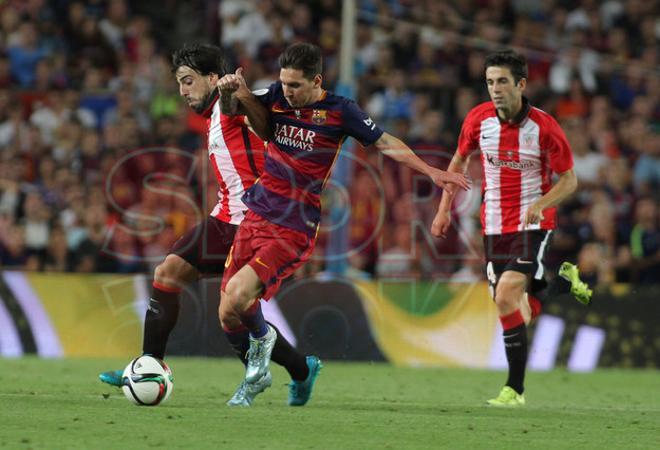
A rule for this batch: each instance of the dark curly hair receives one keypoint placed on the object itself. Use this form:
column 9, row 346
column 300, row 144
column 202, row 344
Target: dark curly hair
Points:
column 516, row 63
column 202, row 58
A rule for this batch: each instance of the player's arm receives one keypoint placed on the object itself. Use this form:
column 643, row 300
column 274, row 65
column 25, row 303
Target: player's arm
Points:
column 236, row 98
column 400, row 152
column 442, row 218
column 564, row 187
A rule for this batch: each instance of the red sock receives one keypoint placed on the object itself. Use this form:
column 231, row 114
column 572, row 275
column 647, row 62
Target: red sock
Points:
column 535, row 305
column 513, row 320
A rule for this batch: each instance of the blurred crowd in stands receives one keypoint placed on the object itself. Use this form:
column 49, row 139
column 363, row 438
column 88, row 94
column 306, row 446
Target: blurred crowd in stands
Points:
column 102, row 166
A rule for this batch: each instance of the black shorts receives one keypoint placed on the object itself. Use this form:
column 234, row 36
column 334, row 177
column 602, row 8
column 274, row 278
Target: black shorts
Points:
column 521, row 252
column 206, row 245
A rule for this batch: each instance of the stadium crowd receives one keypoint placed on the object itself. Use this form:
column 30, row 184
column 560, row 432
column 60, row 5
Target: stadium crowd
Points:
column 102, row 165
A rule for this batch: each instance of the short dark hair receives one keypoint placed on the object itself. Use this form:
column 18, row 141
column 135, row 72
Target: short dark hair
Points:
column 302, row 56
column 516, row 63
column 202, row 58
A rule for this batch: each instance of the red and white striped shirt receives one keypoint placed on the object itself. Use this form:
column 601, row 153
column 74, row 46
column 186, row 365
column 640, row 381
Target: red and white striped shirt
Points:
column 237, row 157
column 518, row 159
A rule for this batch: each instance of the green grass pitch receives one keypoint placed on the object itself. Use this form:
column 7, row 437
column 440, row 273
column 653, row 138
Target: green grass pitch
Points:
column 60, row 404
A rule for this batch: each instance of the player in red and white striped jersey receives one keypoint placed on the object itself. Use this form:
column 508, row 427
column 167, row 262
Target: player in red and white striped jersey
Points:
column 237, row 157
column 521, row 147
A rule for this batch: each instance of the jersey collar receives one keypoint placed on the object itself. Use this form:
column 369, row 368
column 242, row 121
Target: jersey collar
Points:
column 522, row 114
column 208, row 112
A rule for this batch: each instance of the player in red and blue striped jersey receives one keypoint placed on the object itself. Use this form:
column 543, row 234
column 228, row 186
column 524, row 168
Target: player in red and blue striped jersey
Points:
column 278, row 234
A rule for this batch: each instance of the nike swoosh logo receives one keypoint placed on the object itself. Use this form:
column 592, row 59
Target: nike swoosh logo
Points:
column 483, row 136
column 522, row 261
column 259, row 261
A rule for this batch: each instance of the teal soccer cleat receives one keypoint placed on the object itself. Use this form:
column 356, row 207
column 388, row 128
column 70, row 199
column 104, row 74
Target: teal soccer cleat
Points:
column 301, row 391
column 113, row 377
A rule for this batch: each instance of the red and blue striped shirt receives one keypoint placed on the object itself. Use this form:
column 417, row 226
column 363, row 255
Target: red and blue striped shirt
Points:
column 299, row 158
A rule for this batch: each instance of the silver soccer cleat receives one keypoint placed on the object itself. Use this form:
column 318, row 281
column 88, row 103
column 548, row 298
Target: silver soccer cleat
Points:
column 246, row 392
column 259, row 355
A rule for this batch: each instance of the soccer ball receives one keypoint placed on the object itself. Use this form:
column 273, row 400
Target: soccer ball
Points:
column 147, row 381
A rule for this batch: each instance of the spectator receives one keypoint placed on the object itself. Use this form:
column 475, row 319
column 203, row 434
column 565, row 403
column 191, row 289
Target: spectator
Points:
column 13, row 252
column 645, row 242
column 57, row 257
column 85, row 83
column 395, row 102
column 397, row 259
column 36, row 223
column 26, row 54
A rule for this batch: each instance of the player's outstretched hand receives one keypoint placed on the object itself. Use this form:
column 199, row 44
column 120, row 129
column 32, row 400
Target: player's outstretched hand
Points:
column 441, row 222
column 442, row 178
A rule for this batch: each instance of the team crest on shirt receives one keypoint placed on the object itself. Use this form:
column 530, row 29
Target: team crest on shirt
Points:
column 529, row 139
column 319, row 116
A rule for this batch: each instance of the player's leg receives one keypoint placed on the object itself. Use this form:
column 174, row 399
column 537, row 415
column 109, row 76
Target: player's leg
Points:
column 567, row 281
column 163, row 310
column 273, row 254
column 164, row 305
column 509, row 295
column 303, row 370
column 239, row 322
column 240, row 301
column 526, row 308
column 518, row 257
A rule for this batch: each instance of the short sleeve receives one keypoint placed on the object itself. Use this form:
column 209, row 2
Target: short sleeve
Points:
column 267, row 96
column 358, row 124
column 560, row 157
column 468, row 140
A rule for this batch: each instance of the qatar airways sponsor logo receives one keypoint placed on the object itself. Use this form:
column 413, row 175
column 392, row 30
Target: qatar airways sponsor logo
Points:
column 516, row 165
column 295, row 137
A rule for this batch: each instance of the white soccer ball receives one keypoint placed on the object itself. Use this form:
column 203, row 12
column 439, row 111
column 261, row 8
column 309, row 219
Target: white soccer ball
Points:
column 147, row 381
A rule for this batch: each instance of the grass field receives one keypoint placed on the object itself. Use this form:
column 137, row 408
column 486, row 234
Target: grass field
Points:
column 60, row 404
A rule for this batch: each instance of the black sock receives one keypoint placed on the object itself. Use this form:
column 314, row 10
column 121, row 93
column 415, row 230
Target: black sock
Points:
column 161, row 316
column 515, row 344
column 239, row 339
column 556, row 287
column 285, row 355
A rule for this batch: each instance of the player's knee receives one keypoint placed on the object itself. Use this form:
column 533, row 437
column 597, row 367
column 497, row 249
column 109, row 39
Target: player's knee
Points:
column 236, row 297
column 172, row 272
column 161, row 274
column 508, row 291
column 229, row 320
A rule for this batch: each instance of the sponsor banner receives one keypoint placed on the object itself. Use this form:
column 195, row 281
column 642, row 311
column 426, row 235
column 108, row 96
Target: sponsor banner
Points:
column 427, row 327
column 407, row 322
column 72, row 315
